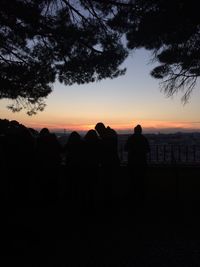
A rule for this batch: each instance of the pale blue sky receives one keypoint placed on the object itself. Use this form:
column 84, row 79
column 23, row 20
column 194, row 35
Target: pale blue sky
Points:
column 121, row 102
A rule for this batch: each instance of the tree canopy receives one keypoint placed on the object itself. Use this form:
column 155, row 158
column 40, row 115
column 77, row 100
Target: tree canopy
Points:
column 81, row 41
column 171, row 30
column 45, row 40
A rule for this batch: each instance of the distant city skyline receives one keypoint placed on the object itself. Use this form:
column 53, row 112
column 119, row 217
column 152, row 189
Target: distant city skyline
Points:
column 121, row 103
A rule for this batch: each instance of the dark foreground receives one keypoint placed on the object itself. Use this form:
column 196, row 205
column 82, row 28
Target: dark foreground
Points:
column 162, row 231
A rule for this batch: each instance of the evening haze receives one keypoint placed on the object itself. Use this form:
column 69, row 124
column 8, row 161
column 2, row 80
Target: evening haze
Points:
column 121, row 103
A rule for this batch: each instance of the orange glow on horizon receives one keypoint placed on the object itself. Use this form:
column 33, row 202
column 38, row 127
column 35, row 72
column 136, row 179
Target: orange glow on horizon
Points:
column 146, row 124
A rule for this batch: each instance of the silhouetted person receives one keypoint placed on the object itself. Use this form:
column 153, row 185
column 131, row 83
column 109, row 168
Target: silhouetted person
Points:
column 91, row 167
column 109, row 159
column 109, row 143
column 18, row 159
column 91, row 149
column 48, row 152
column 48, row 149
column 74, row 165
column 137, row 146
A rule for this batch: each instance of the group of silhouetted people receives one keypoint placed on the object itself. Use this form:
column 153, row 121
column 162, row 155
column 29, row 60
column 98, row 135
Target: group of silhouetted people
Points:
column 32, row 162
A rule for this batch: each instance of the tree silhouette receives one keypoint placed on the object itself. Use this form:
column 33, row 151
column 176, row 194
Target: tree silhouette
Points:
column 81, row 41
column 171, row 30
column 47, row 40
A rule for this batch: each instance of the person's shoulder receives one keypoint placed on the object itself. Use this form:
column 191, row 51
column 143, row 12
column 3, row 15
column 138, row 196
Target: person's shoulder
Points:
column 144, row 137
column 111, row 131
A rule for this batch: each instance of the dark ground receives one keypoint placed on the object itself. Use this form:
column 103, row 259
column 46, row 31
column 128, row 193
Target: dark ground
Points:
column 163, row 232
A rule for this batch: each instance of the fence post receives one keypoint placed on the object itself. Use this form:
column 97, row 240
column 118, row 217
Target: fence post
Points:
column 157, row 156
column 194, row 153
column 150, row 154
column 186, row 154
column 121, row 153
column 164, row 152
column 179, row 153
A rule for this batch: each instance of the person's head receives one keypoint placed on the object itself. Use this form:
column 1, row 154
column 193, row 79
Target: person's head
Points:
column 100, row 128
column 91, row 135
column 138, row 129
column 74, row 137
column 14, row 123
column 44, row 132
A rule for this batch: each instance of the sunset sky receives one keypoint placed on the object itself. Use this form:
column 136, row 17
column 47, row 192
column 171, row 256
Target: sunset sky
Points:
column 134, row 98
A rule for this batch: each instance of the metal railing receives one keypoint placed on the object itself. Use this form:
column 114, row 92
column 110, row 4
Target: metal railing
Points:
column 167, row 154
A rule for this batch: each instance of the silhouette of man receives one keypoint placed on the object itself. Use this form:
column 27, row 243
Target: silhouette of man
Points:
column 137, row 146
column 48, row 156
column 91, row 170
column 109, row 142
column 109, row 160
column 74, row 151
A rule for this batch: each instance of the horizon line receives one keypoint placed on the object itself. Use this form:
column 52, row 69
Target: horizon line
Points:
column 146, row 130
column 148, row 126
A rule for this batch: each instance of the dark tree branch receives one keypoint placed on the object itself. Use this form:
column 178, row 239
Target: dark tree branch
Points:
column 75, row 10
column 118, row 4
